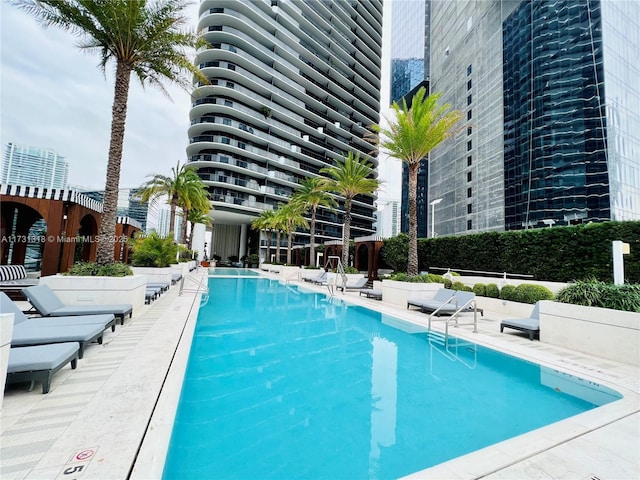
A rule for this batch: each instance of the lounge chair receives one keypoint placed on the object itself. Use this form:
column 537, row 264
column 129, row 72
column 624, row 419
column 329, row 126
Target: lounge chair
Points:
column 39, row 363
column 107, row 320
column 318, row 279
column 26, row 334
column 530, row 325
column 371, row 293
column 448, row 302
column 443, row 295
column 48, row 304
column 13, row 278
column 358, row 284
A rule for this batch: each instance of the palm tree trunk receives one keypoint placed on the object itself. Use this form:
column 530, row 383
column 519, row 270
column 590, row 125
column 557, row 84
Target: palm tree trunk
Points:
column 346, row 232
column 278, row 247
column 268, row 235
column 190, row 242
column 312, row 236
column 183, row 226
column 110, row 204
column 289, row 243
column 412, row 263
column 172, row 217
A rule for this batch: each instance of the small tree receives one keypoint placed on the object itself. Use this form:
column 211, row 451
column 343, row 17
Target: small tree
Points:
column 414, row 133
column 291, row 218
column 143, row 38
column 351, row 176
column 311, row 194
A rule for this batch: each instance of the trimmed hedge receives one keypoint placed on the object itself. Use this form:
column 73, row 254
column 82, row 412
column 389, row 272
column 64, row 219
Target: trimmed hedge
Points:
column 492, row 291
column 558, row 254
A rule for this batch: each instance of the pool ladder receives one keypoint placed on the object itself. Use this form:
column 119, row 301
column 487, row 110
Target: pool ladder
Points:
column 201, row 286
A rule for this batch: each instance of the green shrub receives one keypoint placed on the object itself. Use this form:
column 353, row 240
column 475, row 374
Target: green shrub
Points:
column 153, row 251
column 529, row 293
column 447, row 283
column 593, row 293
column 424, row 278
column 184, row 254
column 83, row 269
column 461, row 287
column 350, row 269
column 508, row 292
column 480, row 289
column 492, row 291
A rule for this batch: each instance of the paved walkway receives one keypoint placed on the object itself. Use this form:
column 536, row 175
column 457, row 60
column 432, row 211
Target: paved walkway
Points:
column 111, row 418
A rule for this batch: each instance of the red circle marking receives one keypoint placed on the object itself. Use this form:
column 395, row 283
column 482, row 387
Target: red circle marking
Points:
column 84, row 455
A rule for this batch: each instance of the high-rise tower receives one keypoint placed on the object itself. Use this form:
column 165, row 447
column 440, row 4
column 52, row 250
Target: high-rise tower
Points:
column 293, row 86
column 33, row 166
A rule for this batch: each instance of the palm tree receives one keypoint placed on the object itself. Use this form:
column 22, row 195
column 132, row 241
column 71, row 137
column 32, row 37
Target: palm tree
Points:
column 265, row 222
column 351, row 176
column 192, row 195
column 414, row 133
column 194, row 217
column 184, row 181
column 290, row 217
column 141, row 37
column 312, row 194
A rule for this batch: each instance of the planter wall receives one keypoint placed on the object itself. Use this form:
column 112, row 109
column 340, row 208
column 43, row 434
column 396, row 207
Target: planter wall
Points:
column 398, row 293
column 470, row 281
column 98, row 290
column 611, row 334
column 154, row 274
column 6, row 331
column 505, row 307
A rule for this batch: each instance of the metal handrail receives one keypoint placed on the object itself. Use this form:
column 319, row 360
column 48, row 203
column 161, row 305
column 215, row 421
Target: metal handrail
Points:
column 295, row 274
column 456, row 314
column 499, row 274
column 200, row 288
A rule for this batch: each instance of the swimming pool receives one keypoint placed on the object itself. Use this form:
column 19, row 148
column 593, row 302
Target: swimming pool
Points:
column 284, row 384
column 234, row 272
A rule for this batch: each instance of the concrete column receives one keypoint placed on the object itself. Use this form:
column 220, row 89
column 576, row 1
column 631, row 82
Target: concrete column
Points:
column 243, row 241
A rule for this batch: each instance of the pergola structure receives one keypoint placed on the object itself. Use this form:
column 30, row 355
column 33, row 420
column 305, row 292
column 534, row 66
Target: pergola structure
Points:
column 72, row 221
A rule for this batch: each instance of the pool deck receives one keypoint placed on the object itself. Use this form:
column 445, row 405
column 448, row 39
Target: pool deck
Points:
column 111, row 417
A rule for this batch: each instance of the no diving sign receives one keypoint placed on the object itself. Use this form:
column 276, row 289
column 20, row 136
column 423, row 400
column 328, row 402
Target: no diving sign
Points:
column 77, row 464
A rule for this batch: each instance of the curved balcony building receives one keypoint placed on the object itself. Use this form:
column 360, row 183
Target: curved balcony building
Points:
column 292, row 87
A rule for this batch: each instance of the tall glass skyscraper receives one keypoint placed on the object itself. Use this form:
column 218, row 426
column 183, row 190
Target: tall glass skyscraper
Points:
column 33, row 166
column 293, row 87
column 569, row 151
column 551, row 106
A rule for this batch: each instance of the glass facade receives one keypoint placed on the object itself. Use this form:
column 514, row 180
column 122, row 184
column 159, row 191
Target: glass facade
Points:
column 568, row 153
column 621, row 52
column 409, row 68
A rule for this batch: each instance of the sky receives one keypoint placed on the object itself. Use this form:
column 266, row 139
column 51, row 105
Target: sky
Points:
column 53, row 95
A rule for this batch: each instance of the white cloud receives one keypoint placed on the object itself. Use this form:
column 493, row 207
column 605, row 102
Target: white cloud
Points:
column 53, row 95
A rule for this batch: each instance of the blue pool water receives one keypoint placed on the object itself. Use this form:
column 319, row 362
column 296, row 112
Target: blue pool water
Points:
column 235, row 272
column 282, row 384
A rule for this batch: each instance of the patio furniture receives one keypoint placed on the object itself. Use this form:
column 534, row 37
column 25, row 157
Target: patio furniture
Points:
column 47, row 304
column 107, row 320
column 530, row 325
column 358, row 284
column 40, row 362
column 371, row 293
column 13, row 278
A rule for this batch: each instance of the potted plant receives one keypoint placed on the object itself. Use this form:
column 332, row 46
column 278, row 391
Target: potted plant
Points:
column 89, row 283
column 152, row 256
column 254, row 260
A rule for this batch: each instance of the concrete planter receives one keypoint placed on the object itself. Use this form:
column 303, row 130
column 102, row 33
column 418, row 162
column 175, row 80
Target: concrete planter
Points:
column 182, row 268
column 611, row 334
column 6, row 331
column 398, row 293
column 505, row 307
column 154, row 274
column 82, row 290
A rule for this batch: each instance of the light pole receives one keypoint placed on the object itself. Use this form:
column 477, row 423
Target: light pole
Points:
column 433, row 217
